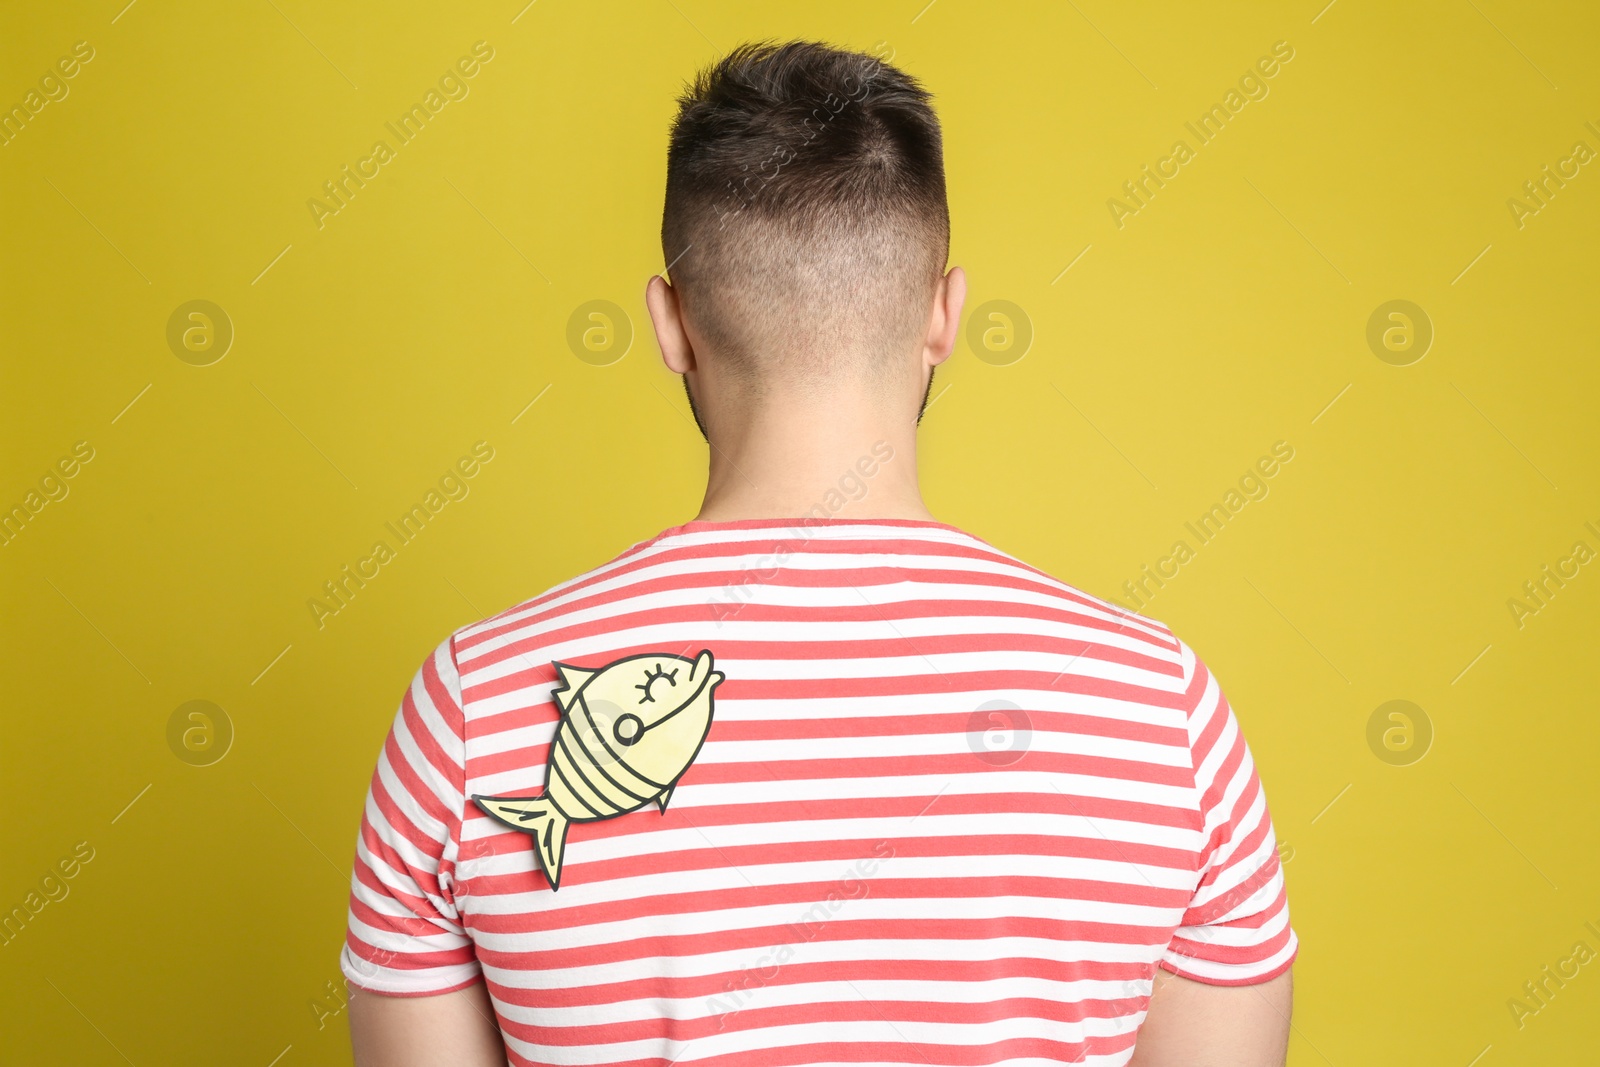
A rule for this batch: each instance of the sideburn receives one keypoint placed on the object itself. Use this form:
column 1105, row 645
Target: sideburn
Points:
column 694, row 410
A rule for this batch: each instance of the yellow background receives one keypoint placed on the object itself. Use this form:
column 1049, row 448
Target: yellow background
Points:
column 424, row 317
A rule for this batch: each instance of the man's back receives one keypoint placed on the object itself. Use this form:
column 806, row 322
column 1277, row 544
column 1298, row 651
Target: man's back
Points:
column 947, row 810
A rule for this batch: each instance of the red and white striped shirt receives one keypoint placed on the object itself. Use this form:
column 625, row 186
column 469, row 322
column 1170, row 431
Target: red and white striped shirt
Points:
column 948, row 810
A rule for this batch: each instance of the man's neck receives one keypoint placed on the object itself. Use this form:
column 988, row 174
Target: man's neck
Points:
column 793, row 462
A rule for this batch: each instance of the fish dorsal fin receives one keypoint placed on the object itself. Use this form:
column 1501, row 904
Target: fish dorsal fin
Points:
column 572, row 680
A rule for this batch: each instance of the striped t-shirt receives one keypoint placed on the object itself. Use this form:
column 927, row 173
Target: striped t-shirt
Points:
column 777, row 792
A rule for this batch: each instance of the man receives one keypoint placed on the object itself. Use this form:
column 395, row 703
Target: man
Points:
column 814, row 777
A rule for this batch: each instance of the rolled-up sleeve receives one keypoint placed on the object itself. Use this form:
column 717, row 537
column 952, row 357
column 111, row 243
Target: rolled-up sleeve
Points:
column 405, row 936
column 1236, row 929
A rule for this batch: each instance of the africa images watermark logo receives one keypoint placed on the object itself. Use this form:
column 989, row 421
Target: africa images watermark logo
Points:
column 452, row 86
column 1252, row 85
column 53, row 487
column 1252, row 486
column 741, row 990
column 1540, row 590
column 53, row 88
column 745, row 192
column 851, row 487
column 340, row 591
column 599, row 332
column 1537, row 192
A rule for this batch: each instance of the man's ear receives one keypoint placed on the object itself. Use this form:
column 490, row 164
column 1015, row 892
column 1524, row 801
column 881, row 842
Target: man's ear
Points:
column 944, row 325
column 666, row 315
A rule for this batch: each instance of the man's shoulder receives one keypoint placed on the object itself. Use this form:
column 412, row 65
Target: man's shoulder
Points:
column 665, row 574
column 1119, row 617
column 510, row 626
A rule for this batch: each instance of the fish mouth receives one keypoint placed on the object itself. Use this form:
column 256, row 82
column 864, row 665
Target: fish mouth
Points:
column 694, row 668
column 706, row 680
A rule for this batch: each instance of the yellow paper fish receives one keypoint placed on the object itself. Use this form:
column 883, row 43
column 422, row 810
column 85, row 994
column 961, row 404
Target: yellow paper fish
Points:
column 628, row 732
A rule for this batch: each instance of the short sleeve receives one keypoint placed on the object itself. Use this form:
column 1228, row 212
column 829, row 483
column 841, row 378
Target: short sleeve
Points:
column 1236, row 929
column 405, row 937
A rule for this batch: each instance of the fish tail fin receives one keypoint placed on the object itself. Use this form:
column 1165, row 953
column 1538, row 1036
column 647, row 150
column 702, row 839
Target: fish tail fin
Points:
column 551, row 844
column 539, row 818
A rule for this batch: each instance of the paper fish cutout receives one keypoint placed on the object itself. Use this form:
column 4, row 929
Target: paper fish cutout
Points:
column 628, row 732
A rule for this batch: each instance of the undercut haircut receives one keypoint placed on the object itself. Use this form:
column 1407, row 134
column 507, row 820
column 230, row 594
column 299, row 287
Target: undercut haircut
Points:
column 806, row 226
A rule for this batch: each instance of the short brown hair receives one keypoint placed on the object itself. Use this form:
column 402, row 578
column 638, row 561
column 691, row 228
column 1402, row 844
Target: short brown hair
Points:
column 806, row 224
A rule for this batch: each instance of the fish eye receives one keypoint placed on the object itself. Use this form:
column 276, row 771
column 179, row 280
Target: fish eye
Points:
column 628, row 729
column 653, row 676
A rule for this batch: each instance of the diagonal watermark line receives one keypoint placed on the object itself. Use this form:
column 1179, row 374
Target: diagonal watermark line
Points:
column 1298, row 230
column 1474, row 263
column 97, row 630
column 1113, row 44
column 302, row 433
column 1292, row 1026
column 1469, row 666
column 273, row 664
column 668, row 268
column 280, row 1055
column 941, row 392
column 1323, row 12
column 1513, row 44
column 1481, row 1055
column 718, row 451
column 1101, row 432
column 717, row 847
column 269, row 266
column 130, row 804
column 923, row 12
column 474, row 607
column 1330, row 804
column 523, row 12
column 299, row 831
column 130, row 404
column 98, row 230
column 497, row 230
column 530, row 404
column 523, row 656
column 1074, row 263
column 1502, row 833
column 314, row 47
column 88, row 1020
column 1503, row 437
column 1330, row 404
column 462, row 595
column 124, row 11
column 929, row 804
column 1296, row 629
column 690, row 21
